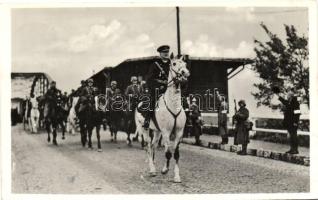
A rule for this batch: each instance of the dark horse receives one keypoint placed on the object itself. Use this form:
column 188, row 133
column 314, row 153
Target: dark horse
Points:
column 90, row 117
column 54, row 114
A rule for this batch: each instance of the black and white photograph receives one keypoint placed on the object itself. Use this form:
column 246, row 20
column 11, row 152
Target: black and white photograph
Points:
column 169, row 99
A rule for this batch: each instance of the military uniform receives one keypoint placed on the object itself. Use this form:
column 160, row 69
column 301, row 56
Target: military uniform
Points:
column 111, row 95
column 195, row 115
column 52, row 94
column 291, row 121
column 156, row 79
column 222, row 121
column 132, row 93
column 86, row 96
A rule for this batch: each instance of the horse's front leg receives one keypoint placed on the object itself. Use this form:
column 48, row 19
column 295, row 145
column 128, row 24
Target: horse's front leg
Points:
column 90, row 132
column 63, row 130
column 54, row 133
column 152, row 145
column 168, row 154
column 48, row 130
column 176, row 156
column 99, row 146
column 83, row 135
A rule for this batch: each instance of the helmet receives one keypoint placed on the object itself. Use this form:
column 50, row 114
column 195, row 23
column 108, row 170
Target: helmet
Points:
column 113, row 83
column 133, row 78
column 90, row 81
column 242, row 102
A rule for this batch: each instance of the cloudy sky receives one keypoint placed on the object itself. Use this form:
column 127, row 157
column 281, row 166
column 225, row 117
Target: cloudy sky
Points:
column 70, row 43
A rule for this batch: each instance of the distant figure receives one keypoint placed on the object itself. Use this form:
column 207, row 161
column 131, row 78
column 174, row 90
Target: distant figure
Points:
column 242, row 137
column 222, row 118
column 291, row 118
column 34, row 115
column 195, row 116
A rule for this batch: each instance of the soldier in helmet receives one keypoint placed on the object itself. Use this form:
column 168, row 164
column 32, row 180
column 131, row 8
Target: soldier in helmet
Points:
column 195, row 117
column 112, row 92
column 87, row 95
column 242, row 136
column 52, row 92
column 157, row 80
column 132, row 92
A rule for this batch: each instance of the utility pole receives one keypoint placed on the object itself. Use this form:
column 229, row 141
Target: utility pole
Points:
column 178, row 32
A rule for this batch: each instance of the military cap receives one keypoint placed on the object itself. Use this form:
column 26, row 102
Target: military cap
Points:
column 194, row 100
column 113, row 83
column 90, row 81
column 163, row 48
column 242, row 102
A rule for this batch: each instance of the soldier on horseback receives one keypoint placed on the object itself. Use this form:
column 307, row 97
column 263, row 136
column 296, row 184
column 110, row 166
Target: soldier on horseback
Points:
column 157, row 80
column 112, row 93
column 86, row 95
column 52, row 93
column 132, row 92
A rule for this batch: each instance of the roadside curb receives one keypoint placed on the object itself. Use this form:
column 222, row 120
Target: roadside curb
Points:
column 291, row 158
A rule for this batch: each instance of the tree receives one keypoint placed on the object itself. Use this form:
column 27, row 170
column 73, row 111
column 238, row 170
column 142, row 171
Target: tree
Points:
column 282, row 65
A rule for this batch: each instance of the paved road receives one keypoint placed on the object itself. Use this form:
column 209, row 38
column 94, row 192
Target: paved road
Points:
column 39, row 167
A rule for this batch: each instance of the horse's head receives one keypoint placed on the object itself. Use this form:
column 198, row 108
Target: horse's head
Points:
column 180, row 73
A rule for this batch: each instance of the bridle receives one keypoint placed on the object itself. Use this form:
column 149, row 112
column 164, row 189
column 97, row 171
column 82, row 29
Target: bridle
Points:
column 175, row 78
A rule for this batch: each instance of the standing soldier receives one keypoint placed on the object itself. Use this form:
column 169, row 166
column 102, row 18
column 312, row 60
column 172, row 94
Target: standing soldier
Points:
column 291, row 118
column 222, row 118
column 157, row 80
column 242, row 137
column 195, row 116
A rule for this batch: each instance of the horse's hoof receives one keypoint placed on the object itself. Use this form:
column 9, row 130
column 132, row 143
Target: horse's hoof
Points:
column 177, row 180
column 152, row 174
column 55, row 143
column 164, row 171
column 99, row 150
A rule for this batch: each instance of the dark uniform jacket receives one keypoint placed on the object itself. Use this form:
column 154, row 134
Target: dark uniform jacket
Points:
column 133, row 90
column 241, row 117
column 52, row 94
column 194, row 111
column 291, row 112
column 158, row 71
column 88, row 93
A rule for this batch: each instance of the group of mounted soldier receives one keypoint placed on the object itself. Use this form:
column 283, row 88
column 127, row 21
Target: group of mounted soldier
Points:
column 155, row 84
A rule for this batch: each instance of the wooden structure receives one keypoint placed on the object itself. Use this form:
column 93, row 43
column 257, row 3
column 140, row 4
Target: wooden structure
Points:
column 207, row 76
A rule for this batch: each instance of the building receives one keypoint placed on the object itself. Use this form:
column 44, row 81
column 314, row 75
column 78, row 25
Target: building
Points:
column 25, row 84
column 207, row 76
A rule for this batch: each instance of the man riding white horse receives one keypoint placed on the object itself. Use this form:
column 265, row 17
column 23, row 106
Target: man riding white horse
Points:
column 157, row 80
column 166, row 119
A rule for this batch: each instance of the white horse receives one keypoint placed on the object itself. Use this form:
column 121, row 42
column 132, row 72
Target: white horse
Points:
column 34, row 115
column 170, row 118
column 71, row 119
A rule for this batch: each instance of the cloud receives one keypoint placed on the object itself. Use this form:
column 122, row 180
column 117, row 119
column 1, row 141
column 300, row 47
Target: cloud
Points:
column 203, row 46
column 241, row 13
column 96, row 35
